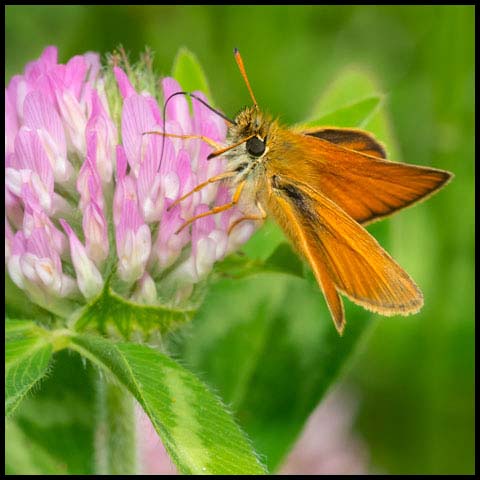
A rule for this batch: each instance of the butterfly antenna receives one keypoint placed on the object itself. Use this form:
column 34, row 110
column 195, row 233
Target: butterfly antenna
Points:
column 188, row 94
column 241, row 67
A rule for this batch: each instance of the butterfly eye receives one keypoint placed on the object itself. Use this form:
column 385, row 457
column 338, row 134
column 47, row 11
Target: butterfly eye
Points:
column 255, row 146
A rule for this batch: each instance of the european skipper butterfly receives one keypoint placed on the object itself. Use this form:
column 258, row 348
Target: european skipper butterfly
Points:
column 322, row 186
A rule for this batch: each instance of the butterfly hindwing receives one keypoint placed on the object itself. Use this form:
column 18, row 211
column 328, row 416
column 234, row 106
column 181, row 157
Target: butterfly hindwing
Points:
column 341, row 253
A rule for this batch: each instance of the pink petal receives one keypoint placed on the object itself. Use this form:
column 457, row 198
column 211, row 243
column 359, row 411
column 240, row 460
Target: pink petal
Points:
column 204, row 116
column 137, row 118
column 121, row 163
column 169, row 244
column 177, row 108
column 49, row 56
column 13, row 207
column 75, row 71
column 9, row 236
column 130, row 219
column 89, row 185
column 106, row 135
column 126, row 187
column 89, row 279
column 126, row 88
column 95, row 231
column 74, row 116
column 39, row 113
column 201, row 227
column 39, row 244
column 149, row 180
column 13, row 93
column 31, row 154
column 240, row 234
column 11, row 122
column 92, row 60
column 188, row 180
column 35, row 218
column 157, row 113
column 133, row 241
column 34, row 70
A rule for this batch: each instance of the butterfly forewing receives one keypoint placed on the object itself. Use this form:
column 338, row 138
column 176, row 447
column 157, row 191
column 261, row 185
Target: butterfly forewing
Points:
column 365, row 186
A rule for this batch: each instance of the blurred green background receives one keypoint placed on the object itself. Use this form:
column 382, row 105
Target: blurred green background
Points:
column 414, row 375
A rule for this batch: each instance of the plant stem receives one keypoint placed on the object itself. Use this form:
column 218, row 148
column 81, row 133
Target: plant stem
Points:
column 115, row 448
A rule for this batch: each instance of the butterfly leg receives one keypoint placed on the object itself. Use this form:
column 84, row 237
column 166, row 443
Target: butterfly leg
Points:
column 214, row 210
column 199, row 187
column 262, row 216
column 222, row 150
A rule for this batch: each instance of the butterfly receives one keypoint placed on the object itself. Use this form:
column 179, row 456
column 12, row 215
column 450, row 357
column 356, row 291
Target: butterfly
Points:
column 322, row 186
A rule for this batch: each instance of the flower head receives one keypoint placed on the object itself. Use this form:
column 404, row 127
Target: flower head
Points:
column 88, row 192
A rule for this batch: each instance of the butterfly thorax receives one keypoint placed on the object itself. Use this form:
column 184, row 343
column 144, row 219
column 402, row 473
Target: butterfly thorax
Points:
column 251, row 121
column 254, row 131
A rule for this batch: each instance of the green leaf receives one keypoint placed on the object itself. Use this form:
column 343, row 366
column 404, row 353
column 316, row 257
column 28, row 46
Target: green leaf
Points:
column 27, row 355
column 54, row 429
column 355, row 115
column 274, row 358
column 282, row 260
column 353, row 100
column 264, row 241
column 24, row 457
column 352, row 84
column 111, row 310
column 189, row 73
column 197, row 431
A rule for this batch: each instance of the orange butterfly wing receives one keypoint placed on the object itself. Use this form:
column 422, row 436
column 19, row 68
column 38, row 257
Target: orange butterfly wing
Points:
column 346, row 166
column 351, row 138
column 343, row 255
